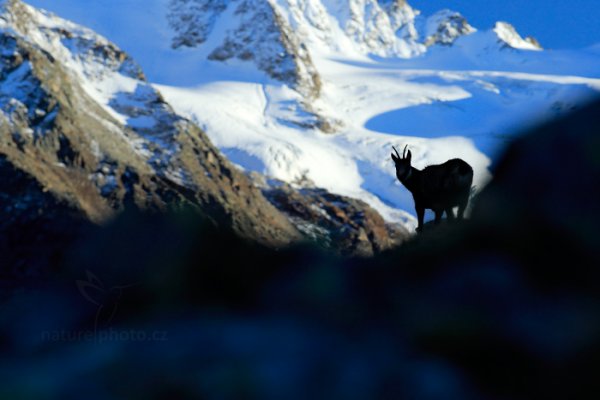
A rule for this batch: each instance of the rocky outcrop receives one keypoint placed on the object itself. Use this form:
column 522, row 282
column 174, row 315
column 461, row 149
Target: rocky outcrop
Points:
column 278, row 37
column 84, row 136
column 509, row 37
column 100, row 149
column 444, row 27
column 258, row 33
column 346, row 225
column 289, row 39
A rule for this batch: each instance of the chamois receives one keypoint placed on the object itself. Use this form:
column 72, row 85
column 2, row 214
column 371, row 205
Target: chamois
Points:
column 437, row 187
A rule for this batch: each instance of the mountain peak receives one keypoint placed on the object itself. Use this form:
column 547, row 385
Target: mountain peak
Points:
column 279, row 36
column 247, row 30
column 509, row 35
column 283, row 38
column 444, row 27
column 78, row 118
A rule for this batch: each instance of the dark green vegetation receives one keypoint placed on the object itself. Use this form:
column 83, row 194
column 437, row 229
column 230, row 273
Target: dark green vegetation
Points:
column 503, row 306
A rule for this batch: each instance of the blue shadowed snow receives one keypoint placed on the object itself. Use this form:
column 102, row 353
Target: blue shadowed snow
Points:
column 243, row 158
column 497, row 110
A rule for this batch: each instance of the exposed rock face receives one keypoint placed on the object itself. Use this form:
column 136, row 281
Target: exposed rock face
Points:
column 278, row 36
column 98, row 148
column 289, row 39
column 199, row 16
column 260, row 33
column 348, row 226
column 445, row 27
column 509, row 37
column 380, row 27
column 84, row 136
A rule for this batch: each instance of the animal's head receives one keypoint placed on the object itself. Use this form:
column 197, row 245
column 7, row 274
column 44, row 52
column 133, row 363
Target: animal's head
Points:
column 402, row 163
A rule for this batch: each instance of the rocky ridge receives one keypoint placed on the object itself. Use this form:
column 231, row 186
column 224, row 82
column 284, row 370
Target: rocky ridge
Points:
column 281, row 37
column 444, row 27
column 260, row 34
column 84, row 136
column 342, row 224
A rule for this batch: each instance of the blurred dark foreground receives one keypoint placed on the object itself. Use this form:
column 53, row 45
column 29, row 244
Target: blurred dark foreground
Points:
column 503, row 306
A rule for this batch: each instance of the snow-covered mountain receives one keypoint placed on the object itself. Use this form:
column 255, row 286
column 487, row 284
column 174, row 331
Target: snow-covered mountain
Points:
column 361, row 76
column 315, row 92
column 84, row 135
column 83, row 128
column 282, row 36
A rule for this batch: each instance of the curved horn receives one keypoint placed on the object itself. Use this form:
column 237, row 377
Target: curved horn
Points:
column 398, row 154
column 404, row 152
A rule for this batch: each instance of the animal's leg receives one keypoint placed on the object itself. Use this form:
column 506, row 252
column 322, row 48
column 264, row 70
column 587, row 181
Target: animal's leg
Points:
column 420, row 217
column 461, row 208
column 450, row 214
column 438, row 216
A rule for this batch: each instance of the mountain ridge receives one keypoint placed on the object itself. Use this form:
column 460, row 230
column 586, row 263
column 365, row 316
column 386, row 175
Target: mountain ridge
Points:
column 461, row 96
column 398, row 59
column 88, row 135
column 280, row 36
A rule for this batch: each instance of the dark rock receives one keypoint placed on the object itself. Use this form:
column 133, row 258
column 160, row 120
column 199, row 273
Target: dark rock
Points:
column 348, row 226
column 501, row 306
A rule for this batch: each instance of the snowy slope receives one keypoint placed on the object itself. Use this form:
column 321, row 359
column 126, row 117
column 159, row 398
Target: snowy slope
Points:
column 375, row 72
column 81, row 126
column 109, row 77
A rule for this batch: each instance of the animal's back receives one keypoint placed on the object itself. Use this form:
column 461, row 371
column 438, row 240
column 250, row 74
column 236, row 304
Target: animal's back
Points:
column 464, row 172
column 452, row 178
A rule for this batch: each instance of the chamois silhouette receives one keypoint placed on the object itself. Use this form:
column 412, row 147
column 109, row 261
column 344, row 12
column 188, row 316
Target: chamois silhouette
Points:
column 437, row 187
